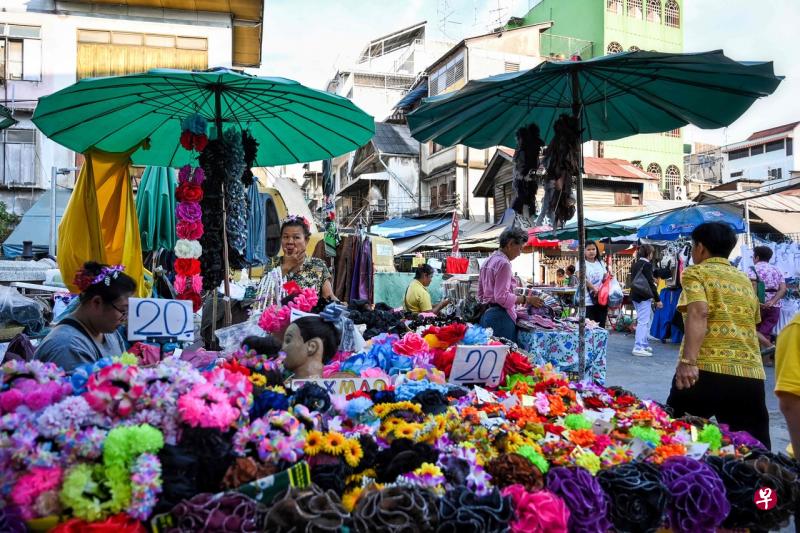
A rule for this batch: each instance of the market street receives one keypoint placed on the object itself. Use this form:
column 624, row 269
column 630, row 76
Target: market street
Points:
column 649, row 377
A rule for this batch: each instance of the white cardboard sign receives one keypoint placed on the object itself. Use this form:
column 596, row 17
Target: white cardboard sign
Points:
column 344, row 386
column 478, row 364
column 155, row 318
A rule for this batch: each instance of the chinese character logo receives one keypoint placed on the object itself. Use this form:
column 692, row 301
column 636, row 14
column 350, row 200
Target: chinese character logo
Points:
column 765, row 498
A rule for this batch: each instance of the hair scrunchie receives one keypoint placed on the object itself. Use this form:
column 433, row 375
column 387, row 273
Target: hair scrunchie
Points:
column 396, row 509
column 587, row 502
column 697, row 495
column 638, row 497
column 320, row 510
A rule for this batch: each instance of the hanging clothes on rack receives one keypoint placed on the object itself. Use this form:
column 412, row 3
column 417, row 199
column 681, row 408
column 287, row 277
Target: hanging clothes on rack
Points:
column 457, row 265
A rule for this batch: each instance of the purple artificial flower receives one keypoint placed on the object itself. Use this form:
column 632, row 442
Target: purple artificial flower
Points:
column 189, row 211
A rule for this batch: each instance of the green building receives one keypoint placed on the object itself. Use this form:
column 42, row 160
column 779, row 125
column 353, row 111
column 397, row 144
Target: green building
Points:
column 591, row 28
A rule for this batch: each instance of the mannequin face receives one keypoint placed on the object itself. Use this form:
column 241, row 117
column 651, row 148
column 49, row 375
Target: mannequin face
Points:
column 303, row 358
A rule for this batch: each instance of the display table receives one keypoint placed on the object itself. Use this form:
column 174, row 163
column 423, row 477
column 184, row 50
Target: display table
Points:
column 560, row 348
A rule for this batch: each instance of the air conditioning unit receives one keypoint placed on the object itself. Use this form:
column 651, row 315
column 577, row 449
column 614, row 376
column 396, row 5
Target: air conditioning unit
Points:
column 677, row 192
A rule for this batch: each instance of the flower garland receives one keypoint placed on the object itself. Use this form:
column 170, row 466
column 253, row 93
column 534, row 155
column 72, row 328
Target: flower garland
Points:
column 276, row 318
column 189, row 228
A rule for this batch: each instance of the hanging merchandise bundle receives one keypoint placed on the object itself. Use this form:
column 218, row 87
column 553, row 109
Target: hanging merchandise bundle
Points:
column 394, row 437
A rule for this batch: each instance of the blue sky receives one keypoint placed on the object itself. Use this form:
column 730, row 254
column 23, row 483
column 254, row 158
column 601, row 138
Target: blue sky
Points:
column 304, row 39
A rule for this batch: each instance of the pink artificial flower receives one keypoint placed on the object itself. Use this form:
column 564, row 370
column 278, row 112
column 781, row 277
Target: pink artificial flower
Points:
column 207, row 406
column 199, row 176
column 31, row 485
column 179, row 284
column 331, row 368
column 375, row 372
column 189, row 230
column 411, row 344
column 537, row 512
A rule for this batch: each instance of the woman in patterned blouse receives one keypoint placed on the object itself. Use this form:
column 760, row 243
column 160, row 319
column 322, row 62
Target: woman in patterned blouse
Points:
column 308, row 272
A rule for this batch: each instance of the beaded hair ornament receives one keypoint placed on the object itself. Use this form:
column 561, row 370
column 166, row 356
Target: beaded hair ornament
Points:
column 84, row 280
column 296, row 218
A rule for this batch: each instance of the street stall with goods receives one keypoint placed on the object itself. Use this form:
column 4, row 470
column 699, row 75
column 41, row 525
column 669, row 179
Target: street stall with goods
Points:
column 350, row 417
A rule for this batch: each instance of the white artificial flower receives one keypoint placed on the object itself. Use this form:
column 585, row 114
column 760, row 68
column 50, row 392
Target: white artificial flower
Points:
column 186, row 249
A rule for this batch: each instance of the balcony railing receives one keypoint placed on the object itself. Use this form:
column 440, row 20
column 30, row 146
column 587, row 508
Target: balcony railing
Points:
column 553, row 46
column 368, row 213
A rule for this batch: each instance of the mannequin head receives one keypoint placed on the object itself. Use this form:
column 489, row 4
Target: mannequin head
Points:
column 309, row 343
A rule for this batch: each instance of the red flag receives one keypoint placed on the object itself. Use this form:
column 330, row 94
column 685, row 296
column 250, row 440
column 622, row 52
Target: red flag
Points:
column 455, row 233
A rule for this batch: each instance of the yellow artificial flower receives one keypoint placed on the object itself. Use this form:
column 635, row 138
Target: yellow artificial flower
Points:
column 380, row 410
column 314, row 443
column 391, row 423
column 429, row 469
column 350, row 498
column 335, row 443
column 406, row 431
column 353, row 452
column 258, row 380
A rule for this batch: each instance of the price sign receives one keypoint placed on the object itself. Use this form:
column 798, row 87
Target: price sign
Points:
column 478, row 365
column 152, row 318
column 344, row 386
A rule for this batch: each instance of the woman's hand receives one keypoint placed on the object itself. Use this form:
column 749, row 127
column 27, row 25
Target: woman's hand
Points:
column 535, row 301
column 659, row 305
column 291, row 262
column 686, row 376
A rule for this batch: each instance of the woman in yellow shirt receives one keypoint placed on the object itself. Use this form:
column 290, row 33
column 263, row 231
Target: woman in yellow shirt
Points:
column 418, row 299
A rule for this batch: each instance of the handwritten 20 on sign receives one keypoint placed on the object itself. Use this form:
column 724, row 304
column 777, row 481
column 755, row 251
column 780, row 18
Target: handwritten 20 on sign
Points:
column 153, row 318
column 478, row 365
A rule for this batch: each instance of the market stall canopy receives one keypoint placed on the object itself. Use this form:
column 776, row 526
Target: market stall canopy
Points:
column 6, row 120
column 535, row 242
column 440, row 238
column 781, row 211
column 34, row 225
column 620, row 94
column 292, row 123
column 155, row 208
column 594, row 230
column 681, row 222
column 402, row 228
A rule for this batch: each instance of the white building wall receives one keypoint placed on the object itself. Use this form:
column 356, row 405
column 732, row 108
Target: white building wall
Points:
column 59, row 56
column 758, row 166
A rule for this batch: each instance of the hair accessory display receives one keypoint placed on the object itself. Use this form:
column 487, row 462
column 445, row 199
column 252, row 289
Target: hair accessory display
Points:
column 84, row 280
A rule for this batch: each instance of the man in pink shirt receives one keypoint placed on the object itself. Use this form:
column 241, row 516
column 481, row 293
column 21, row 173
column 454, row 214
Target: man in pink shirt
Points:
column 496, row 286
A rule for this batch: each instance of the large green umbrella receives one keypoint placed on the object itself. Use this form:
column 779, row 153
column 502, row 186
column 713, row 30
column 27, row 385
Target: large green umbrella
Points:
column 291, row 122
column 155, row 208
column 6, row 120
column 594, row 231
column 612, row 97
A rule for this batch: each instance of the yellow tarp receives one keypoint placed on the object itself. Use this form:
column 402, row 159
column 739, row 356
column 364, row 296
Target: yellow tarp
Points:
column 100, row 221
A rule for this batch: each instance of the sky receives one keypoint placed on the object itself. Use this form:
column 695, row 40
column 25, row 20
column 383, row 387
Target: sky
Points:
column 305, row 39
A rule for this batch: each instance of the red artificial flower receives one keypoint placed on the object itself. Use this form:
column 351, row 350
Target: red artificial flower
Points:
column 197, row 301
column 291, row 287
column 235, row 366
column 119, row 523
column 200, row 142
column 358, row 394
column 516, row 363
column 187, row 267
column 189, row 230
column 189, row 192
column 443, row 360
column 625, row 400
column 186, row 140
column 555, row 429
column 452, row 333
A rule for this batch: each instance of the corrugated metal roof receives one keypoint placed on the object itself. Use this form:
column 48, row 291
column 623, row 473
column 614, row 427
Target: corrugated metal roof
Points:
column 394, row 139
column 604, row 166
column 440, row 238
column 773, row 131
column 401, row 228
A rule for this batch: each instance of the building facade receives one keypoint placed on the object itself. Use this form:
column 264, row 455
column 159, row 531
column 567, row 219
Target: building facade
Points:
column 46, row 46
column 767, row 156
column 592, row 28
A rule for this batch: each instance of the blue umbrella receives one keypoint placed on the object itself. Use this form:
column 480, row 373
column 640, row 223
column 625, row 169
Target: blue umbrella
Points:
column 681, row 222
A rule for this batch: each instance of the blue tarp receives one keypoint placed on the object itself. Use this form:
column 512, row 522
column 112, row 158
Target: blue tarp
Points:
column 35, row 225
column 413, row 96
column 402, row 228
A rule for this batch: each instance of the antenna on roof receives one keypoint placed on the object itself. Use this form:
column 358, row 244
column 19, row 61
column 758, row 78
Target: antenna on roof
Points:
column 444, row 11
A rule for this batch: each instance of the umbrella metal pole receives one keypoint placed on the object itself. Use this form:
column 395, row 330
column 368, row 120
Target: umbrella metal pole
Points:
column 226, row 263
column 576, row 111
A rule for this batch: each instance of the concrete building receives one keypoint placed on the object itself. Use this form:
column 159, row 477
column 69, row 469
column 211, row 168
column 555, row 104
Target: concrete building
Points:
column 608, row 184
column 453, row 172
column 311, row 185
column 768, row 156
column 702, row 170
column 47, row 45
column 592, row 28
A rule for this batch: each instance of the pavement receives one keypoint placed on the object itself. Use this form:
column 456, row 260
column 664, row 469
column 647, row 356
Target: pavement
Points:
column 650, row 377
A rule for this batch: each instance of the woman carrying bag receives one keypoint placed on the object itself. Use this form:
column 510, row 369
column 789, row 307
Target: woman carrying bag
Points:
column 643, row 292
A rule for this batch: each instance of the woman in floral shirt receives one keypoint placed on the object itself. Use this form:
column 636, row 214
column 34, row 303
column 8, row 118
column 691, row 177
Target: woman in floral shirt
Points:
column 308, row 272
column 775, row 287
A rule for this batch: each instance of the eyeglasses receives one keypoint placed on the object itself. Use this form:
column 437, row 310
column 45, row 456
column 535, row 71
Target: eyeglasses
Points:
column 123, row 312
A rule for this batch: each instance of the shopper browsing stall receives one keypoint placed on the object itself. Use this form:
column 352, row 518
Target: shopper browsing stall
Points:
column 642, row 295
column 774, row 289
column 90, row 333
column 595, row 272
column 417, row 298
column 496, row 286
column 719, row 372
column 307, row 272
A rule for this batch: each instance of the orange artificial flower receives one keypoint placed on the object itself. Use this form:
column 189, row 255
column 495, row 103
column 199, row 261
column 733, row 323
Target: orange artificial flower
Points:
column 582, row 437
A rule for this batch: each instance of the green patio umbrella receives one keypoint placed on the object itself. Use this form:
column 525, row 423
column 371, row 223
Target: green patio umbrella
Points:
column 155, row 208
column 6, row 121
column 594, row 230
column 291, row 122
column 612, row 97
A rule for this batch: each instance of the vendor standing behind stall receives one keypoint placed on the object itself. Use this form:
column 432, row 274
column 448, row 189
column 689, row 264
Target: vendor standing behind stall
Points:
column 307, row 272
column 496, row 286
column 90, row 333
column 418, row 299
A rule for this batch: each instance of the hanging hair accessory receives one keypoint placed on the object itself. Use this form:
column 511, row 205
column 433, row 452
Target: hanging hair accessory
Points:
column 351, row 339
column 84, row 280
column 296, row 218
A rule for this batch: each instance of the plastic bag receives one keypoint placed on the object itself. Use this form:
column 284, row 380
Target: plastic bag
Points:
column 18, row 309
column 615, row 294
column 230, row 338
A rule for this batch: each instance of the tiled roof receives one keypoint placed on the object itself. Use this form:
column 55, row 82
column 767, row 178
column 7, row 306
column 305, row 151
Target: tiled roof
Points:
column 773, row 131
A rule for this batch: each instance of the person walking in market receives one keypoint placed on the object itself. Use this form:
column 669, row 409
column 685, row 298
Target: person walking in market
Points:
column 774, row 289
column 496, row 286
column 719, row 372
column 643, row 293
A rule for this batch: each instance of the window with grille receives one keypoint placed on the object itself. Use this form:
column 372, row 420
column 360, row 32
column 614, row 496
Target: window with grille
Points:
column 672, row 14
column 672, row 133
column 20, row 52
column 673, row 176
column 511, row 67
column 654, row 11
column 18, row 156
column 738, row 154
column 774, row 146
column 635, row 8
column 775, row 173
column 737, row 174
column 756, row 150
column 613, row 48
column 655, row 170
column 614, row 6
column 634, row 49
column 446, row 76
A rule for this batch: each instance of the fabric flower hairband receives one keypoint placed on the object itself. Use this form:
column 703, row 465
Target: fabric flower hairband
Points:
column 296, row 218
column 188, row 281
column 84, row 280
